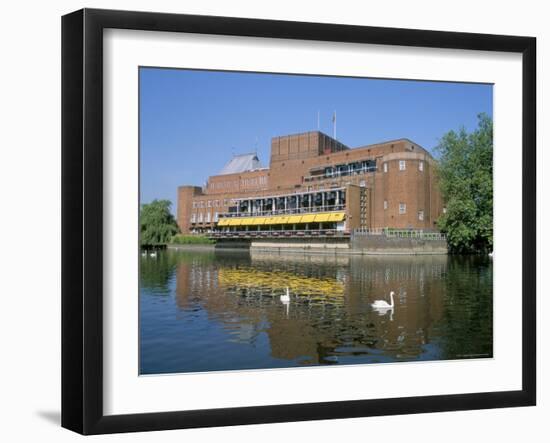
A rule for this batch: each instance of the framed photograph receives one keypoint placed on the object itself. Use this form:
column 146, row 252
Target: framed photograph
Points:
column 269, row 221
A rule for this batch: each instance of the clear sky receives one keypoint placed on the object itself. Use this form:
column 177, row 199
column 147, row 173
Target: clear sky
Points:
column 192, row 122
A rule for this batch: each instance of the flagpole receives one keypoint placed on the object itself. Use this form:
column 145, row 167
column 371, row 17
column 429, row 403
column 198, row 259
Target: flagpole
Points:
column 334, row 125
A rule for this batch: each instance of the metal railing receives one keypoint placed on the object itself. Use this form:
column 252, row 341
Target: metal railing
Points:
column 287, row 233
column 419, row 234
column 304, row 210
column 337, row 174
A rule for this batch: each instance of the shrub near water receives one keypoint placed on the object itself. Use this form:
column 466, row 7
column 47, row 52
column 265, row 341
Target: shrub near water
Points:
column 157, row 224
column 466, row 178
column 181, row 239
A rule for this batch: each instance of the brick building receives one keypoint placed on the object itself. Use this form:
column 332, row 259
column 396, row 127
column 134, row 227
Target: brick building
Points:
column 314, row 182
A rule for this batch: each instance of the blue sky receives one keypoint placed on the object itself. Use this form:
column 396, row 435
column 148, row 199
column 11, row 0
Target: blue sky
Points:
column 191, row 122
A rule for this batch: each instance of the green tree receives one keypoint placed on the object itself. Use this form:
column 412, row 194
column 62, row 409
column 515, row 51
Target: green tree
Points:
column 466, row 178
column 157, row 224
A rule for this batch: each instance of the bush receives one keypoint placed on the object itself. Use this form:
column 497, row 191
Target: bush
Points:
column 157, row 224
column 181, row 239
column 466, row 178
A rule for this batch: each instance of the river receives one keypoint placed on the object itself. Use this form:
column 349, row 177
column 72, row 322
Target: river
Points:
column 206, row 310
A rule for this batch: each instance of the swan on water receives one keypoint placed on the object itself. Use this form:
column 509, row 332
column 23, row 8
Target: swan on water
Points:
column 285, row 298
column 153, row 254
column 383, row 304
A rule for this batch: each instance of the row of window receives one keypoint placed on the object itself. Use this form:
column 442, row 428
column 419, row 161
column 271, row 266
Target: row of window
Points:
column 213, row 203
column 207, row 217
column 224, row 184
column 403, row 210
column 403, row 165
column 245, row 182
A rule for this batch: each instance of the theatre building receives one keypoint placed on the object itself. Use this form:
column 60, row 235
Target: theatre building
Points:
column 315, row 185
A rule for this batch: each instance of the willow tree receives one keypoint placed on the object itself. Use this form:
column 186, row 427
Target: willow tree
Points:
column 466, row 177
column 157, row 224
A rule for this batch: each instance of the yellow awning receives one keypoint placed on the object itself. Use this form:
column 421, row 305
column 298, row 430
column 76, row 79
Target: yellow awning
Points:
column 294, row 219
column 281, row 220
column 322, row 217
column 336, row 216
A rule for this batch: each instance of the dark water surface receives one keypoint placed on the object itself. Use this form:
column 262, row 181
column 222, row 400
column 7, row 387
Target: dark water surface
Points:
column 210, row 311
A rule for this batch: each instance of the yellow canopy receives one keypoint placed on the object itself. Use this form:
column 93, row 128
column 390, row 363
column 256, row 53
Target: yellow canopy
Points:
column 336, row 216
column 282, row 219
column 322, row 217
column 294, row 219
column 234, row 222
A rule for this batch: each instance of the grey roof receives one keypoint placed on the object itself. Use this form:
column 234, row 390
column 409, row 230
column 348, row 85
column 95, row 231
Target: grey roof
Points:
column 241, row 163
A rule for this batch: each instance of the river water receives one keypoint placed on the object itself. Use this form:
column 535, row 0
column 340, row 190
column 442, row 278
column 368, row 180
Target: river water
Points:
column 205, row 310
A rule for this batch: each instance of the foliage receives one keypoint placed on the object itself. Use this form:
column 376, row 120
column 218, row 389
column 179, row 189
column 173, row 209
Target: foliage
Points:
column 466, row 177
column 157, row 224
column 181, row 239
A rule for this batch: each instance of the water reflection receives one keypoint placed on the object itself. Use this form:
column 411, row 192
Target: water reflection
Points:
column 202, row 311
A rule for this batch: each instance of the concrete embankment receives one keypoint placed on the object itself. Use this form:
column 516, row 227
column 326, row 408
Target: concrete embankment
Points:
column 363, row 245
column 192, row 247
column 382, row 245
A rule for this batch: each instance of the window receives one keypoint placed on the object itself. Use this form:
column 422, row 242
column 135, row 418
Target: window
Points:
column 402, row 165
column 208, row 217
column 193, row 218
column 209, row 203
column 194, row 204
column 444, row 210
column 362, row 183
column 385, row 204
column 215, row 216
column 421, row 215
column 402, row 208
column 200, row 217
column 420, row 165
column 385, row 167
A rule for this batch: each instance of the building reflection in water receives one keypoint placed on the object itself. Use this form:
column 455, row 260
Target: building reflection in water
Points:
column 328, row 319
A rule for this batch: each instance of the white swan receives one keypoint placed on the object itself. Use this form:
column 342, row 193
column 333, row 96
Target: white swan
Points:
column 383, row 304
column 285, row 298
column 153, row 254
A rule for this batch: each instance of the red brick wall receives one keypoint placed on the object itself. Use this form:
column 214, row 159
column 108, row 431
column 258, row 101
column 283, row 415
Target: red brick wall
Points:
column 292, row 158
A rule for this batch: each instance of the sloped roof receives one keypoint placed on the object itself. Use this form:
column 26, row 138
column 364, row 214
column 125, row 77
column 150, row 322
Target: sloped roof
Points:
column 241, row 163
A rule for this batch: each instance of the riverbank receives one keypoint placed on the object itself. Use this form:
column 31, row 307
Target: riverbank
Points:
column 191, row 247
column 391, row 247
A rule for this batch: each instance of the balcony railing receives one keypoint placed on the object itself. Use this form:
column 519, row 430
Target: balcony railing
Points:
column 400, row 233
column 287, row 233
column 337, row 174
column 304, row 210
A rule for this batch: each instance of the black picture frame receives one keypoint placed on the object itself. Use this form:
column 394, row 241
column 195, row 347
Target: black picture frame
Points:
column 82, row 218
